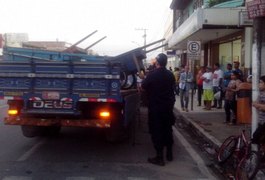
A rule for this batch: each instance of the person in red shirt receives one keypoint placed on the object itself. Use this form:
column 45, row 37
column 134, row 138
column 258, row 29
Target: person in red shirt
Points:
column 199, row 82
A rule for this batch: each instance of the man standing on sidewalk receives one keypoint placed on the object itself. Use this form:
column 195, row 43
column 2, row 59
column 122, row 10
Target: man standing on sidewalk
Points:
column 185, row 84
column 207, row 88
column 177, row 74
column 159, row 86
column 227, row 75
column 199, row 82
column 238, row 70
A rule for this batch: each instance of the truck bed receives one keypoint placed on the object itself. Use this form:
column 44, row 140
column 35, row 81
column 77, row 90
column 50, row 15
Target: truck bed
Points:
column 60, row 81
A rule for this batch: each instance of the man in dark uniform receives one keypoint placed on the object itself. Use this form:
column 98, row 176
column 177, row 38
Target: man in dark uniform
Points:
column 159, row 86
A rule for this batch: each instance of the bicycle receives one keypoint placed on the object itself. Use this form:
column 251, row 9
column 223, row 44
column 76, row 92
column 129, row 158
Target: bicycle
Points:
column 233, row 145
column 250, row 164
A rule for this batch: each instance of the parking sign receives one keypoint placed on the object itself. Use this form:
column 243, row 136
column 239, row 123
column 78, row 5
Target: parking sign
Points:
column 194, row 49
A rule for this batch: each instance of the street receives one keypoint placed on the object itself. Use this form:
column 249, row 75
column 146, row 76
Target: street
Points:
column 79, row 153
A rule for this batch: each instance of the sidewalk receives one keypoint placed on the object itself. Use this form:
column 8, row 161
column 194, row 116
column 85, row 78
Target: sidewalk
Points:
column 209, row 123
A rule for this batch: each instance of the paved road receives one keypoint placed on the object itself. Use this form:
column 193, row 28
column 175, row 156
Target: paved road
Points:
column 83, row 154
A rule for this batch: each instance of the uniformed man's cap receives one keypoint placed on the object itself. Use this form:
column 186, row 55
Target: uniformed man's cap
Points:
column 161, row 59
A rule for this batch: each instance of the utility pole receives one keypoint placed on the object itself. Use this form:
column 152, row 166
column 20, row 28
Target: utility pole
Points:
column 144, row 36
column 256, row 11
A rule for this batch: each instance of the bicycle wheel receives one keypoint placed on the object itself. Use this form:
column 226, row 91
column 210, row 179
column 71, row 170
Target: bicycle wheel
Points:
column 226, row 149
column 248, row 167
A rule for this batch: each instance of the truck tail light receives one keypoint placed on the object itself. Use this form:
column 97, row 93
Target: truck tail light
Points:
column 12, row 112
column 104, row 114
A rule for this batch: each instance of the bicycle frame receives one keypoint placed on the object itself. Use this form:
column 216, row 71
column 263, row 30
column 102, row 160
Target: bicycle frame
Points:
column 236, row 146
column 242, row 144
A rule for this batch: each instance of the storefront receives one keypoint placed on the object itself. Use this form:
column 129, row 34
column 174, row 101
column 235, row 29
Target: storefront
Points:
column 236, row 47
column 218, row 31
column 228, row 49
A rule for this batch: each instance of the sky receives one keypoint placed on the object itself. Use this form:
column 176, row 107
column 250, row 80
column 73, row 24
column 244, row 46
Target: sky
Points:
column 71, row 20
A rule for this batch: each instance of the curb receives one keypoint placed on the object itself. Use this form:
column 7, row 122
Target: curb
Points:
column 198, row 129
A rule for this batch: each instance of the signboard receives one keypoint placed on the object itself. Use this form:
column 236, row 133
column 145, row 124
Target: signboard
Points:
column 173, row 52
column 244, row 20
column 194, row 49
column 256, row 8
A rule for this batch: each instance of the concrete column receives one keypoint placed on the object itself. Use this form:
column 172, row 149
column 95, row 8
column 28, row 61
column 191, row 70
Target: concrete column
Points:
column 258, row 58
column 248, row 47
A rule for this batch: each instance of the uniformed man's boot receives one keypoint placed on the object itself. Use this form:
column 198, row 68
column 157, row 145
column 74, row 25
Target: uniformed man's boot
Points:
column 158, row 160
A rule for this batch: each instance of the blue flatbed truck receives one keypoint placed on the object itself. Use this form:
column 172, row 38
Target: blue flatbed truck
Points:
column 47, row 90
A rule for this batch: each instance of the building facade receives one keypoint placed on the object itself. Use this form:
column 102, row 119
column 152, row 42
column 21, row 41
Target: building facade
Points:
column 224, row 30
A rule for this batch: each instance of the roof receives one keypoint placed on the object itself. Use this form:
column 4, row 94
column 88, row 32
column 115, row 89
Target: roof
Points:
column 49, row 45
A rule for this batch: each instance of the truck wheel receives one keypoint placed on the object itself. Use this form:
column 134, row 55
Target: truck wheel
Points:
column 127, row 81
column 30, row 131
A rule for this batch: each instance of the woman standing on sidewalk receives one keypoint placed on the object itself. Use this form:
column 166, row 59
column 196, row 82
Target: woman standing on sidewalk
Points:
column 230, row 97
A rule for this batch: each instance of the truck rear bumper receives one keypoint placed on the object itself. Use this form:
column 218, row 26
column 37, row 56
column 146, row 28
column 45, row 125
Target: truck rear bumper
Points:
column 99, row 123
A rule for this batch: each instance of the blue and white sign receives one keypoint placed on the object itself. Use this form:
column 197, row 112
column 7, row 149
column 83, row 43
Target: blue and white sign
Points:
column 194, row 49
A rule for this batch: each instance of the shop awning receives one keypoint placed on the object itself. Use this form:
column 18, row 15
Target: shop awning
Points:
column 205, row 25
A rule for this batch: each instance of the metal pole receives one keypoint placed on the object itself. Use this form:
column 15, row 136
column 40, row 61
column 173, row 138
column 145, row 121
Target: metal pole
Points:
column 193, row 85
column 156, row 48
column 81, row 40
column 144, row 36
column 152, row 43
column 95, row 43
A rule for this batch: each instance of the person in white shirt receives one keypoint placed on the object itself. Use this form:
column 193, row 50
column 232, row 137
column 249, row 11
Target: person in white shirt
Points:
column 218, row 76
column 207, row 88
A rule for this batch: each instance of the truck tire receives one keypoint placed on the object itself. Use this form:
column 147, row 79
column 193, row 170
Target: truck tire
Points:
column 31, row 131
column 127, row 81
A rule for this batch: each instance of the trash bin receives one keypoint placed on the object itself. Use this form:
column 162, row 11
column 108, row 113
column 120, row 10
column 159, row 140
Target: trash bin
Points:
column 244, row 104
